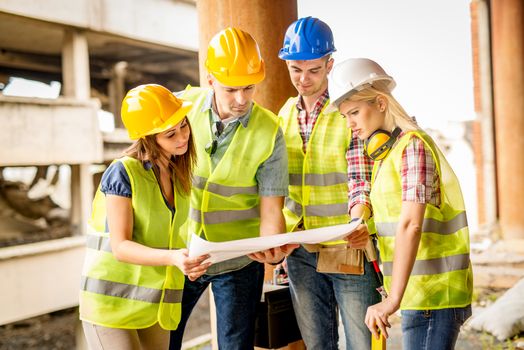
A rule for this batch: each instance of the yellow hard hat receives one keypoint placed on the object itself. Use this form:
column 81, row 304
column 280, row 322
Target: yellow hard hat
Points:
column 234, row 59
column 150, row 109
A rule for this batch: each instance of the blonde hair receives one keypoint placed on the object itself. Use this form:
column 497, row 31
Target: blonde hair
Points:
column 395, row 115
column 181, row 167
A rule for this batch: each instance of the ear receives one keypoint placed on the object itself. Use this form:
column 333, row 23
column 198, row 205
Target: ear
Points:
column 210, row 79
column 382, row 103
column 329, row 64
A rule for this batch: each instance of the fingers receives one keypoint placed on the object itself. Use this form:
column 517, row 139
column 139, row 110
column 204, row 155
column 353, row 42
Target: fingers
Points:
column 273, row 255
column 381, row 324
column 288, row 248
column 377, row 322
column 358, row 239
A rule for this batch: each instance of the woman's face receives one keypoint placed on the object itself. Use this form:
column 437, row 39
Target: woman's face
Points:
column 174, row 141
column 363, row 117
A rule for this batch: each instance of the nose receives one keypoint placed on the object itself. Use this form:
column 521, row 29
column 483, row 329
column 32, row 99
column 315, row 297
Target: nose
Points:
column 350, row 123
column 182, row 136
column 241, row 97
column 304, row 77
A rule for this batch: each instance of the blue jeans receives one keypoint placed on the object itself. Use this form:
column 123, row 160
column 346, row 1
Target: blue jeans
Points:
column 317, row 297
column 432, row 329
column 237, row 295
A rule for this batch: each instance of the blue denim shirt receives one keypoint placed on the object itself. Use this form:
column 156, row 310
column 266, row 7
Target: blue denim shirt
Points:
column 272, row 175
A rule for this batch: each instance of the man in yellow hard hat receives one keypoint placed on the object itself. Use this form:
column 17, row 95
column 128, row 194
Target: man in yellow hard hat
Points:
column 325, row 159
column 239, row 184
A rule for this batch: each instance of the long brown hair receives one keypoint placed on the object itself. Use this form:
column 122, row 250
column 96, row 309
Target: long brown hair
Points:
column 181, row 167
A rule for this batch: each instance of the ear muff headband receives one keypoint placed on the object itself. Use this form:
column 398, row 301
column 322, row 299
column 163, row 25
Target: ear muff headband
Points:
column 378, row 144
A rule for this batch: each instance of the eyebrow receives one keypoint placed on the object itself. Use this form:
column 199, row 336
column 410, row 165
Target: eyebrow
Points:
column 350, row 110
column 296, row 67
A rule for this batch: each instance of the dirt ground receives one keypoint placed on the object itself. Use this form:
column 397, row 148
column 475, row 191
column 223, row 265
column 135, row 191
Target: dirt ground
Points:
column 56, row 331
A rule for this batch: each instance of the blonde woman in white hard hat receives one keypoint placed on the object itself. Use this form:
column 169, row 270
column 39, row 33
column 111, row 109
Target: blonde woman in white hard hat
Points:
column 133, row 276
column 418, row 210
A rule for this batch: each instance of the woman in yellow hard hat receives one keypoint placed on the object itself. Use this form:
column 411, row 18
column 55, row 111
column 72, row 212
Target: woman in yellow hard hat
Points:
column 133, row 275
column 418, row 210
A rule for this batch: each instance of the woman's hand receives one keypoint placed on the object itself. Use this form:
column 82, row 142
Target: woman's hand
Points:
column 193, row 268
column 377, row 316
column 273, row 255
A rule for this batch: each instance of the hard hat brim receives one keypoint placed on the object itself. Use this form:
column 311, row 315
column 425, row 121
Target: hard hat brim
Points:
column 335, row 102
column 172, row 121
column 302, row 56
column 240, row 80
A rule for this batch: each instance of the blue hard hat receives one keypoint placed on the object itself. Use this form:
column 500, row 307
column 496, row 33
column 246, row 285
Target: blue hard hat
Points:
column 307, row 38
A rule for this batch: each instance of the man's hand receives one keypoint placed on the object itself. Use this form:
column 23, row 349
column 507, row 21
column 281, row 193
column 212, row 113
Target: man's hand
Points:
column 273, row 255
column 358, row 238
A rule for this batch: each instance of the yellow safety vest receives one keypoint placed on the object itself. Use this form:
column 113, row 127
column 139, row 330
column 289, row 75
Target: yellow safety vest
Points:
column 318, row 180
column 225, row 204
column 442, row 276
column 121, row 295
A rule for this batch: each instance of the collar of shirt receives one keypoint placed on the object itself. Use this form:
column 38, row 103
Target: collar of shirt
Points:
column 208, row 105
column 319, row 104
column 147, row 164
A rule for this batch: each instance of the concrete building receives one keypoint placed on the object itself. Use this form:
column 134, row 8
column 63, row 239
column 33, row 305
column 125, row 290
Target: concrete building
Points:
column 98, row 49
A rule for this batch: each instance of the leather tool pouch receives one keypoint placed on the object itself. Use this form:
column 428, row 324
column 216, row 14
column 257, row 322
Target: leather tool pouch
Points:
column 340, row 260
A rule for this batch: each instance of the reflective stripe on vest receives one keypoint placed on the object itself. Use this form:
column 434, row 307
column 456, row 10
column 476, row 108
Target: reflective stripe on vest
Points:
column 318, row 181
column 434, row 266
column 129, row 291
column 317, row 210
column 226, row 191
column 329, row 179
column 441, row 276
column 225, row 204
column 429, row 225
column 219, row 217
column 123, row 295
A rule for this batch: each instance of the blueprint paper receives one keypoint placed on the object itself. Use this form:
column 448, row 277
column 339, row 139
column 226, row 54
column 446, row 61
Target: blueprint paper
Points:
column 221, row 251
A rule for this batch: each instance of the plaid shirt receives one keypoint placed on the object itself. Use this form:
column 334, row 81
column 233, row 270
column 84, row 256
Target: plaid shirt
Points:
column 420, row 180
column 359, row 166
column 307, row 122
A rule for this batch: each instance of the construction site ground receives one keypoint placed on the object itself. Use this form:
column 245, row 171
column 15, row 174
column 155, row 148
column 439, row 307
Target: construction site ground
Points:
column 496, row 267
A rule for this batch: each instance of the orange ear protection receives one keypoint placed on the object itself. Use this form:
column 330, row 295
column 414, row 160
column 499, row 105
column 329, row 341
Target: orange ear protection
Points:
column 379, row 143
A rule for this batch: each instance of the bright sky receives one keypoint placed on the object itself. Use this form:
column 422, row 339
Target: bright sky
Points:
column 425, row 45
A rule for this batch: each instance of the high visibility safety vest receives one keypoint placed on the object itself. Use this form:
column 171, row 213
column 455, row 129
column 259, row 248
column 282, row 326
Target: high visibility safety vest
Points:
column 121, row 295
column 318, row 180
column 225, row 204
column 442, row 276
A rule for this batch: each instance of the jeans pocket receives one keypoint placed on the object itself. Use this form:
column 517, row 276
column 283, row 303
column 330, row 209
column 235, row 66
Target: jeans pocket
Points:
column 462, row 314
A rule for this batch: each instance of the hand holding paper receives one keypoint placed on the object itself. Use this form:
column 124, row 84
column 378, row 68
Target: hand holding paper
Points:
column 221, row 251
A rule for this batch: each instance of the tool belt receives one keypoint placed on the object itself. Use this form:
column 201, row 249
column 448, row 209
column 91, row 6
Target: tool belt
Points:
column 338, row 258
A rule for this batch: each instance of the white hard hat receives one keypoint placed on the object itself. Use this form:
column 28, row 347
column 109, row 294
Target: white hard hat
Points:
column 353, row 75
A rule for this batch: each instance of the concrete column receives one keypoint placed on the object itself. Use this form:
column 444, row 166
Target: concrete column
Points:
column 76, row 84
column 117, row 91
column 484, row 142
column 267, row 22
column 507, row 19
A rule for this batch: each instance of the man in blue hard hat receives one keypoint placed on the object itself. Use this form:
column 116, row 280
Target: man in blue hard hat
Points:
column 325, row 159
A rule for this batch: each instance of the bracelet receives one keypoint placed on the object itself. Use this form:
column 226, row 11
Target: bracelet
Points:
column 278, row 262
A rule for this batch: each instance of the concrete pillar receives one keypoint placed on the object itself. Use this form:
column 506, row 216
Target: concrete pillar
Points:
column 267, row 22
column 507, row 19
column 484, row 135
column 76, row 84
column 117, row 91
